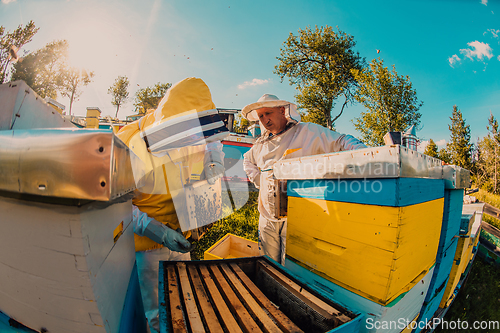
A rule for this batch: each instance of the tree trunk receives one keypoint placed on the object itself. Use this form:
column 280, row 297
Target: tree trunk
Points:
column 117, row 108
column 71, row 101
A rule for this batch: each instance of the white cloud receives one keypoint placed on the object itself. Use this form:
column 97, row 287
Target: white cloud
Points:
column 441, row 143
column 498, row 58
column 453, row 59
column 493, row 32
column 254, row 82
column 478, row 49
column 8, row 1
column 484, row 2
column 423, row 144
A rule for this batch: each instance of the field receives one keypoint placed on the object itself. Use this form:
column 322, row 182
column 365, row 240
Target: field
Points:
column 478, row 300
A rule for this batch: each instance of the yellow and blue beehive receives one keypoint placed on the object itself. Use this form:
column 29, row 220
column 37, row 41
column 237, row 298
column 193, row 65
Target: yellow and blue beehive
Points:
column 367, row 220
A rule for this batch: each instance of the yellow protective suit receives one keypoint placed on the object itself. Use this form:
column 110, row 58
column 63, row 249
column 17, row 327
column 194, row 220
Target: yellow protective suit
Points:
column 155, row 198
column 163, row 176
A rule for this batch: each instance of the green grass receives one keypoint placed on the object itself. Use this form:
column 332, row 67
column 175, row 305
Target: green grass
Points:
column 479, row 298
column 491, row 220
column 488, row 197
column 493, row 200
column 244, row 222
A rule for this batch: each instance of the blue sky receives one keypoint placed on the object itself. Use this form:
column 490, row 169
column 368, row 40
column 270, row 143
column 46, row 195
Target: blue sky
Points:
column 449, row 49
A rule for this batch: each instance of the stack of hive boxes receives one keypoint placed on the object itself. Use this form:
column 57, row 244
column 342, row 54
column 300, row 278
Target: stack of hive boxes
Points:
column 448, row 241
column 368, row 223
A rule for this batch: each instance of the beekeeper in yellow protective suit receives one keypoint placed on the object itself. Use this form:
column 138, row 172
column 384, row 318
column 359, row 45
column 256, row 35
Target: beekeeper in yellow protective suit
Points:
column 283, row 137
column 156, row 223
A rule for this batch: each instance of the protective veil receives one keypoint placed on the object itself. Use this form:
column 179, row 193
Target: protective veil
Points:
column 299, row 139
column 167, row 159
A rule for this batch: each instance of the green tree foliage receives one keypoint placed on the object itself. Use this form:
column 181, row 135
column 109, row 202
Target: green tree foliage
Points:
column 241, row 124
column 44, row 70
column 119, row 92
column 149, row 97
column 459, row 147
column 47, row 72
column 488, row 161
column 319, row 62
column 431, row 149
column 10, row 43
column 444, row 155
column 390, row 99
column 73, row 80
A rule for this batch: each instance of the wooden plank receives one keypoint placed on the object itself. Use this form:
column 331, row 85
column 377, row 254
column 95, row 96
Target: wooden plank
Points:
column 191, row 308
column 269, row 325
column 314, row 302
column 226, row 315
column 178, row 324
column 243, row 317
column 490, row 229
column 281, row 319
column 205, row 305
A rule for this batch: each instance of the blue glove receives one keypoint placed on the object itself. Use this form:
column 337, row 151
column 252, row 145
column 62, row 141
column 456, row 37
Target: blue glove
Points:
column 161, row 234
column 212, row 172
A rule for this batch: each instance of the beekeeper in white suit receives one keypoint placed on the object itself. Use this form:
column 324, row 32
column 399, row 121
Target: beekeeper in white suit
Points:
column 283, row 137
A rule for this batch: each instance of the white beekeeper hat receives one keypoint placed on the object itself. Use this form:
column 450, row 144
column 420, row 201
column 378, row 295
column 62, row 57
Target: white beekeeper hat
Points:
column 269, row 101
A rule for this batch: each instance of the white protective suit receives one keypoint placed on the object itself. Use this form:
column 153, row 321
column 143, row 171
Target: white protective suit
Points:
column 300, row 139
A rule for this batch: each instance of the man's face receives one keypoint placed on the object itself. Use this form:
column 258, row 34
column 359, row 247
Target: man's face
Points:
column 273, row 119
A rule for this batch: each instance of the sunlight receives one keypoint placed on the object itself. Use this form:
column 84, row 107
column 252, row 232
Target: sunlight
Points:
column 99, row 43
column 91, row 44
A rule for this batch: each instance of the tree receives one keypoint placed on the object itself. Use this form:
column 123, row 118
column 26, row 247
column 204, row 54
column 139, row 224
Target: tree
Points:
column 119, row 92
column 241, row 124
column 319, row 62
column 459, row 147
column 390, row 99
column 44, row 69
column 73, row 81
column 431, row 149
column 149, row 97
column 10, row 43
column 444, row 155
column 488, row 160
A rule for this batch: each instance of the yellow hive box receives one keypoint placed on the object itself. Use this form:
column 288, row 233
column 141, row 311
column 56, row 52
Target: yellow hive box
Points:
column 378, row 252
column 232, row 246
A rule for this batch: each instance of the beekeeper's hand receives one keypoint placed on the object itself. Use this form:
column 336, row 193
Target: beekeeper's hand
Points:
column 161, row 234
column 213, row 162
column 213, row 171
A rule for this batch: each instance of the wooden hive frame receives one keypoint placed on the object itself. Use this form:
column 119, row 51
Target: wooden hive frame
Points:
column 241, row 295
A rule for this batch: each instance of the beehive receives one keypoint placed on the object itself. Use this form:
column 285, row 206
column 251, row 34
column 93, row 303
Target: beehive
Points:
column 378, row 251
column 448, row 240
column 374, row 217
